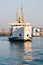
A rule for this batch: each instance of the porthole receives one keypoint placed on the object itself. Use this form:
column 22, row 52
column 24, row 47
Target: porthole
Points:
column 27, row 35
column 20, row 34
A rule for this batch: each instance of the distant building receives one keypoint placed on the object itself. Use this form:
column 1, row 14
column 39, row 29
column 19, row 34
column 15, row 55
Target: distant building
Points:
column 36, row 31
column 41, row 29
column 4, row 32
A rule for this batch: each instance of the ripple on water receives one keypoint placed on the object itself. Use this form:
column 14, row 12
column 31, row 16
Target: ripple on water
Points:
column 21, row 53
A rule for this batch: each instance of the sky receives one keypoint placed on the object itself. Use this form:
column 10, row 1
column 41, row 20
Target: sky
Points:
column 33, row 12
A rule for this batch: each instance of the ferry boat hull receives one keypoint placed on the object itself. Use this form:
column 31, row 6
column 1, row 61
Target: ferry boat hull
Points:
column 18, row 39
column 21, row 33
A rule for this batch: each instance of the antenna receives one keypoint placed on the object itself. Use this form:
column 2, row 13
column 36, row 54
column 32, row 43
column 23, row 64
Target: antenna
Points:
column 22, row 16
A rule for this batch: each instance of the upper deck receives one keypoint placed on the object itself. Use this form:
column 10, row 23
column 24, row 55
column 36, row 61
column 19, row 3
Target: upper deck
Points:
column 19, row 24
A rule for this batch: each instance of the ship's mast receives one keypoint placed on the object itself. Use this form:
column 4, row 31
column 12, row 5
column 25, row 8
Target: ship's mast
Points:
column 22, row 15
column 17, row 15
column 20, row 20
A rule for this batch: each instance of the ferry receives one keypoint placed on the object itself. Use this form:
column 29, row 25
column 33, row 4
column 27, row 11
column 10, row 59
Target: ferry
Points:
column 20, row 31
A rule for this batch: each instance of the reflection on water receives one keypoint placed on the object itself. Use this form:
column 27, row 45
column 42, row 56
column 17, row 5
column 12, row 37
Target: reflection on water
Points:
column 28, row 51
column 23, row 51
column 28, row 46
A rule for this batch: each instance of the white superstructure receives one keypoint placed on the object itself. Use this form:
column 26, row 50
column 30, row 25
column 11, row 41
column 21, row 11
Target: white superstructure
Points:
column 20, row 30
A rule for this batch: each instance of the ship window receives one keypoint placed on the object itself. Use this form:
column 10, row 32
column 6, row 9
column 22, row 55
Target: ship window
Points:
column 27, row 35
column 19, row 22
column 20, row 34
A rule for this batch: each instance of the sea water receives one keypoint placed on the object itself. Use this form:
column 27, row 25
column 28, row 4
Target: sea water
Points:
column 21, row 53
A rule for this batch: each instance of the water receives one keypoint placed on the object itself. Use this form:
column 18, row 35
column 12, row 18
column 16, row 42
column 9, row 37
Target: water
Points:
column 21, row 53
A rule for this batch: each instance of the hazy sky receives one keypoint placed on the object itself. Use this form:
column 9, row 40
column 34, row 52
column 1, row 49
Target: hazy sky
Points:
column 33, row 12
